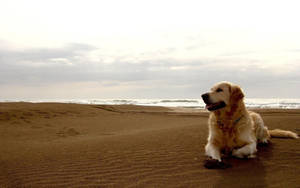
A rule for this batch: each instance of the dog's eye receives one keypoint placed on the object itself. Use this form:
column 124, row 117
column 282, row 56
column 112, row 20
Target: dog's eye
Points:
column 219, row 90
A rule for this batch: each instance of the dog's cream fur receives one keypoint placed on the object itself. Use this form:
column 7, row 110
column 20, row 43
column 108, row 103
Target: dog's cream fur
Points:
column 233, row 129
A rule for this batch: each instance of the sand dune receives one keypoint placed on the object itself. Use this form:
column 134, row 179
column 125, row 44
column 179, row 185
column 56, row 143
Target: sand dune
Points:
column 72, row 145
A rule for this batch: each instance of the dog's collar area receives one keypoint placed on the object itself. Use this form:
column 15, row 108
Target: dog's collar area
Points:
column 222, row 125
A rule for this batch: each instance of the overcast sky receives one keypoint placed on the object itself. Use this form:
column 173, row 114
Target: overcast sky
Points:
column 60, row 49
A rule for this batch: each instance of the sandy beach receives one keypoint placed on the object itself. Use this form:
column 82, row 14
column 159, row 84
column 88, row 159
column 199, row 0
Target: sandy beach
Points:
column 74, row 145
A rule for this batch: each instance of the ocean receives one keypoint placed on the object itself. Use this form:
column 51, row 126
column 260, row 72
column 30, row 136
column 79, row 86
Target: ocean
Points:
column 188, row 103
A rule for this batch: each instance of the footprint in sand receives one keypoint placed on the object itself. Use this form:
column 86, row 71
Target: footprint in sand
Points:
column 67, row 132
column 36, row 127
column 15, row 123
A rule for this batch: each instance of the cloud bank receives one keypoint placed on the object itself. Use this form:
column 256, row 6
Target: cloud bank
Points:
column 83, row 71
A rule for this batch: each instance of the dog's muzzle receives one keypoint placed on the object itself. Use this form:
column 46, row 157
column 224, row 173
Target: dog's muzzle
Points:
column 212, row 106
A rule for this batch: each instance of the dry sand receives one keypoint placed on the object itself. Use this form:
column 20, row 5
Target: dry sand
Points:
column 72, row 145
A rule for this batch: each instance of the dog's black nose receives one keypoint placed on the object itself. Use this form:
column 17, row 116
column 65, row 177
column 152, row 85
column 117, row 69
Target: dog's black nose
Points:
column 205, row 97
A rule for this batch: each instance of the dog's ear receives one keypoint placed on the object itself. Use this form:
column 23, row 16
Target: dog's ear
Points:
column 236, row 94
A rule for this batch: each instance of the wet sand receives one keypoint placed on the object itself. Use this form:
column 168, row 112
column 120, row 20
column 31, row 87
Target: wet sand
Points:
column 73, row 145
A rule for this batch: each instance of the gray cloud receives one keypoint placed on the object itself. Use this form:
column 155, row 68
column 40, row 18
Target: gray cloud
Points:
column 156, row 77
column 43, row 54
column 45, row 64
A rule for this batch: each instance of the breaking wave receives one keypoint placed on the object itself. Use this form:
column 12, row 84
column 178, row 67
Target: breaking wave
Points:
column 189, row 103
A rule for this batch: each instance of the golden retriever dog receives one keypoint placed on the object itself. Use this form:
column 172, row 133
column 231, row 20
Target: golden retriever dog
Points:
column 232, row 128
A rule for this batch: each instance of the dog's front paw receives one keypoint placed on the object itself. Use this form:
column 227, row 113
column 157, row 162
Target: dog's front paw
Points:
column 215, row 164
column 237, row 153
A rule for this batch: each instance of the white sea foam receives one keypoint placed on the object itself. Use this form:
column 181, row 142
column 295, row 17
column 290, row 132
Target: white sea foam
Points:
column 189, row 103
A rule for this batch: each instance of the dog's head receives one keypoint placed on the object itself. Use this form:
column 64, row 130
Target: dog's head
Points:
column 221, row 95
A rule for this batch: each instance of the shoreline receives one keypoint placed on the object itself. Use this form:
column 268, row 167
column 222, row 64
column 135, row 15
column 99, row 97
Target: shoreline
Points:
column 277, row 103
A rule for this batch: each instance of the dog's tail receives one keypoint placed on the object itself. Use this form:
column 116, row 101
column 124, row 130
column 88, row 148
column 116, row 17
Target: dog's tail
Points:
column 278, row 133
